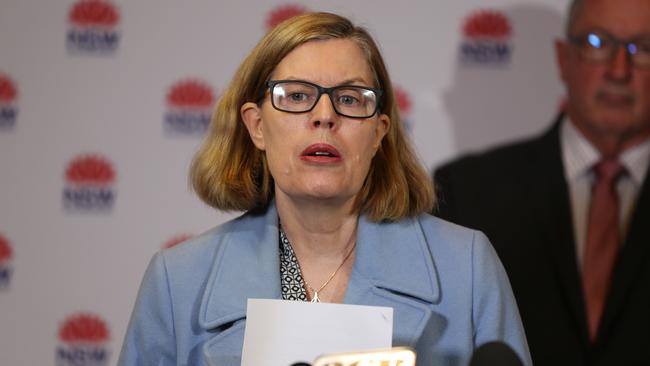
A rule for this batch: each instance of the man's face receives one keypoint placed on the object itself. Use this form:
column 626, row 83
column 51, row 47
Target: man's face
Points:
column 609, row 99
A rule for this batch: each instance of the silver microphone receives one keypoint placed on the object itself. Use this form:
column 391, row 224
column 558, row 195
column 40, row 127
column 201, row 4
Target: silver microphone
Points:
column 399, row 356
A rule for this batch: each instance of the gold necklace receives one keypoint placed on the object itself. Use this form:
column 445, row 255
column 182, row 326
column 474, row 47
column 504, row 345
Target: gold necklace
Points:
column 315, row 297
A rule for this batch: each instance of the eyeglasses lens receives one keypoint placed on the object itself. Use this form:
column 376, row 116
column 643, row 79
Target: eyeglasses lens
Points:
column 602, row 48
column 298, row 97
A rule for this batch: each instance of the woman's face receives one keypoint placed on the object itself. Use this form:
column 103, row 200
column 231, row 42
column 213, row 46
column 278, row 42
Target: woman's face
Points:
column 318, row 154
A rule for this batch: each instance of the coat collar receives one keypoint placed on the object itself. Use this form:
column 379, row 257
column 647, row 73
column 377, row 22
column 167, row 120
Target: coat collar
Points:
column 247, row 265
column 393, row 267
column 545, row 180
column 394, row 257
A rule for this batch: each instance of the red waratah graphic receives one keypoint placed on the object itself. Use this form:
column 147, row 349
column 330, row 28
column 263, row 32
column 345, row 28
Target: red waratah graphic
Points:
column 177, row 240
column 90, row 169
column 8, row 92
column 403, row 101
column 487, row 24
column 5, row 250
column 190, row 94
column 282, row 13
column 99, row 13
column 84, row 328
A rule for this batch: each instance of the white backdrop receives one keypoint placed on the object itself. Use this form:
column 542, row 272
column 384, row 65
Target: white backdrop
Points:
column 102, row 106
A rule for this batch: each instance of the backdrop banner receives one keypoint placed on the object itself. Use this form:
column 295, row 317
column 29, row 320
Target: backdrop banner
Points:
column 104, row 102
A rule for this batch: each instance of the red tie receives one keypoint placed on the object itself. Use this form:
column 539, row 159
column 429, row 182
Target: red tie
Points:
column 602, row 240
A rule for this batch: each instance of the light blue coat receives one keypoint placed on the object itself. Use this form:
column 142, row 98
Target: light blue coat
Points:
column 448, row 291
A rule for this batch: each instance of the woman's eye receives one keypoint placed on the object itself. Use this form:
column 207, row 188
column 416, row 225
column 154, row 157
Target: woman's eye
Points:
column 348, row 100
column 298, row 97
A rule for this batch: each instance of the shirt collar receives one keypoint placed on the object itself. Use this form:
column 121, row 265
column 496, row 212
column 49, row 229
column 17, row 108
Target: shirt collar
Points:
column 579, row 155
column 636, row 161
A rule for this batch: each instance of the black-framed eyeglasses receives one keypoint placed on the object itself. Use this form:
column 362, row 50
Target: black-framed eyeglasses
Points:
column 601, row 47
column 299, row 96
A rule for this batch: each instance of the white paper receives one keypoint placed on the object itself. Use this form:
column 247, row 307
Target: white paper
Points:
column 280, row 333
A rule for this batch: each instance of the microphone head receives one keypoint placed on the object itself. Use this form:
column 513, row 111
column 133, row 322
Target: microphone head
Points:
column 495, row 354
column 398, row 356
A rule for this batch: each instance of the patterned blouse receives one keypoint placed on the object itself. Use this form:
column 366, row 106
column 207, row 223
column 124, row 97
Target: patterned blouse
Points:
column 293, row 285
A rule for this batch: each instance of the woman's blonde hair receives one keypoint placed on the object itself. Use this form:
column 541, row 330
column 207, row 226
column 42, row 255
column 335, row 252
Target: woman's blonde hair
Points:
column 230, row 173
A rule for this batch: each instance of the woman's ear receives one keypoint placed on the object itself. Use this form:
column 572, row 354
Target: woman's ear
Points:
column 383, row 125
column 251, row 114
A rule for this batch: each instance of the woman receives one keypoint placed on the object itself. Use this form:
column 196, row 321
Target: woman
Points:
column 307, row 139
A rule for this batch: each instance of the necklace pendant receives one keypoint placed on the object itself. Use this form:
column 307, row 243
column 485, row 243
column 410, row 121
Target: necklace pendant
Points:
column 315, row 298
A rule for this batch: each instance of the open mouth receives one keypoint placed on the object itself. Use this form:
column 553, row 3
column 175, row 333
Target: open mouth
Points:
column 321, row 151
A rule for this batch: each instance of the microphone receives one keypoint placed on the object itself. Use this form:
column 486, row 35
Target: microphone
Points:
column 398, row 356
column 495, row 354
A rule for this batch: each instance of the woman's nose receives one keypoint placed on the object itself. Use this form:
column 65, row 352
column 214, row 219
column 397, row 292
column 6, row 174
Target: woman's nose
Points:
column 324, row 114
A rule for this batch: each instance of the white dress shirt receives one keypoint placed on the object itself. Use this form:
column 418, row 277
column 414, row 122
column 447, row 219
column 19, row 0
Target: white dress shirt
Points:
column 578, row 157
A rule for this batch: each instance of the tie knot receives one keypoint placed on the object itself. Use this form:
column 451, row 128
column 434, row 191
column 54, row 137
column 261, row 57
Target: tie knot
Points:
column 609, row 170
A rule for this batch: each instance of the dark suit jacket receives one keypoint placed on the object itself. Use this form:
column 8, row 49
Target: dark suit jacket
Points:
column 518, row 196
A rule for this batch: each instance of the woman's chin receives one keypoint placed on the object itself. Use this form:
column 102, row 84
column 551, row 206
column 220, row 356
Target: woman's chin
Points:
column 317, row 190
column 324, row 194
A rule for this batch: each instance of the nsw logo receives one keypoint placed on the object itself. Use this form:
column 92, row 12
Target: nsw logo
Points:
column 83, row 341
column 189, row 107
column 282, row 13
column 8, row 98
column 6, row 255
column 175, row 240
column 92, row 27
column 405, row 105
column 487, row 36
column 89, row 183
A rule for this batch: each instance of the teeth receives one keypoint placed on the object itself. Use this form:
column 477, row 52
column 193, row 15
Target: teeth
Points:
column 322, row 153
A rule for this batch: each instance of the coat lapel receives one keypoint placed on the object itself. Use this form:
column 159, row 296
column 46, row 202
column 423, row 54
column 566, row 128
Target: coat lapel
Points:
column 547, row 183
column 246, row 266
column 394, row 268
column 550, row 200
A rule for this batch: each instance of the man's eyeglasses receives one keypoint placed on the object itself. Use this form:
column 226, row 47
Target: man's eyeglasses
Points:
column 601, row 47
column 297, row 96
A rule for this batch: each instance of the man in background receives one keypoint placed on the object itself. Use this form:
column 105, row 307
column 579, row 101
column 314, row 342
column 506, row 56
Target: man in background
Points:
column 569, row 211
